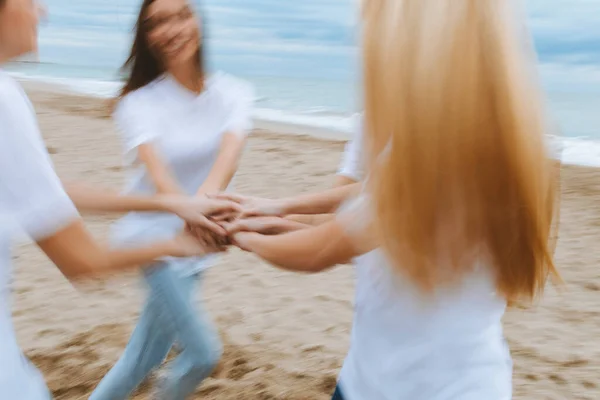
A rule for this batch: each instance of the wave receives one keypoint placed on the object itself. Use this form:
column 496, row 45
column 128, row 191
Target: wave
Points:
column 573, row 150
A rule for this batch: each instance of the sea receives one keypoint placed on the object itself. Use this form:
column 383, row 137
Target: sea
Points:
column 302, row 59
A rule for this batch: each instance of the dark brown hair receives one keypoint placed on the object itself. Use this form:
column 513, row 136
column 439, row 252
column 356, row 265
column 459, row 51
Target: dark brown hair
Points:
column 142, row 65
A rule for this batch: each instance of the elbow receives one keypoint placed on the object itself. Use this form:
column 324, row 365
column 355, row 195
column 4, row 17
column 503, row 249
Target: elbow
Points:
column 86, row 269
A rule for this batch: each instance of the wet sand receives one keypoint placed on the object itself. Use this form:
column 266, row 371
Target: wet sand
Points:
column 285, row 335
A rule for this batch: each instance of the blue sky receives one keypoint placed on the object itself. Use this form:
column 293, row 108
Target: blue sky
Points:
column 308, row 38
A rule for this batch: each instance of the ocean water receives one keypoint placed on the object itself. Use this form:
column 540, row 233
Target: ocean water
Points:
column 301, row 57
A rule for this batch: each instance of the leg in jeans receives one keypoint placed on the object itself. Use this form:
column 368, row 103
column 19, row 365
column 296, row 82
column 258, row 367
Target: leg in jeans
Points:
column 199, row 341
column 147, row 348
column 169, row 316
column 337, row 395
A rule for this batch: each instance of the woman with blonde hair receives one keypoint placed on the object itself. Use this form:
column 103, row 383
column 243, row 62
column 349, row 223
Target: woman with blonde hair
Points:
column 456, row 215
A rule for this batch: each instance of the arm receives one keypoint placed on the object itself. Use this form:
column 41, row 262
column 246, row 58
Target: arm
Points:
column 307, row 250
column 263, row 225
column 159, row 172
column 93, row 199
column 309, row 220
column 343, row 180
column 225, row 165
column 192, row 210
column 318, row 219
column 319, row 203
column 77, row 255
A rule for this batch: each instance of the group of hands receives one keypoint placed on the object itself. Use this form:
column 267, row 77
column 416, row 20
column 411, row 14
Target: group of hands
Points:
column 216, row 221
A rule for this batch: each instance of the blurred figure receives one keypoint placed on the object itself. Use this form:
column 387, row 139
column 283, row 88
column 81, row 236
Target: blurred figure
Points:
column 33, row 200
column 456, row 216
column 186, row 130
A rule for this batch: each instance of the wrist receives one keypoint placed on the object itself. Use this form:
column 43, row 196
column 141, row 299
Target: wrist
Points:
column 166, row 203
column 285, row 206
column 207, row 189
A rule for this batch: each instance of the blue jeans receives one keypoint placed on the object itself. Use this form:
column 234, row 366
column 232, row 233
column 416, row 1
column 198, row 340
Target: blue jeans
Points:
column 337, row 395
column 169, row 316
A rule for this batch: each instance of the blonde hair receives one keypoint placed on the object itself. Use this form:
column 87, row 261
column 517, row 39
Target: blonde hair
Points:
column 454, row 122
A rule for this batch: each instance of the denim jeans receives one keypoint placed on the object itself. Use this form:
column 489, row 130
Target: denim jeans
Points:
column 337, row 395
column 169, row 316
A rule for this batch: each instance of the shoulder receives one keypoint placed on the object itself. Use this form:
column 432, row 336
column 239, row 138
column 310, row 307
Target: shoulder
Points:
column 138, row 101
column 17, row 115
column 13, row 99
column 231, row 89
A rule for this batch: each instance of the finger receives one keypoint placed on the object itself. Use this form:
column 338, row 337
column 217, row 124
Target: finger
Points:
column 225, row 216
column 225, row 206
column 212, row 226
column 210, row 240
column 250, row 212
column 236, row 226
column 221, row 217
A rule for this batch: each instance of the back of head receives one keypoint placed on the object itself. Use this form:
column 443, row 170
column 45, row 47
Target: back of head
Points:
column 455, row 135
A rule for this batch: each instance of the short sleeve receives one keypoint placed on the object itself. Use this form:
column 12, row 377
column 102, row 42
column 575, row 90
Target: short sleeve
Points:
column 352, row 165
column 356, row 217
column 135, row 124
column 242, row 102
column 31, row 194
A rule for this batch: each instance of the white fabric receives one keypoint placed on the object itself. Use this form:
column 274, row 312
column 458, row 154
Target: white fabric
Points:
column 31, row 200
column 406, row 346
column 352, row 164
column 186, row 130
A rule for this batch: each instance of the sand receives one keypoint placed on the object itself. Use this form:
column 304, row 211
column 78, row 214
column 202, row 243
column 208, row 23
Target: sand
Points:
column 285, row 335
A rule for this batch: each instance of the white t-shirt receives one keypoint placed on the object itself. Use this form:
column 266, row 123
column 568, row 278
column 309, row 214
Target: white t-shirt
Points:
column 407, row 346
column 186, row 129
column 32, row 200
column 352, row 164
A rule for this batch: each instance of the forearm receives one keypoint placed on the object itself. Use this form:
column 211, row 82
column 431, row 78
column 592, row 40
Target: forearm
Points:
column 218, row 182
column 105, row 200
column 75, row 252
column 326, row 202
column 310, row 219
column 121, row 260
column 225, row 165
column 166, row 184
column 160, row 174
column 291, row 226
column 308, row 250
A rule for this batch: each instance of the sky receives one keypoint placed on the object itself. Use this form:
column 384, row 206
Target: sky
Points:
column 308, row 38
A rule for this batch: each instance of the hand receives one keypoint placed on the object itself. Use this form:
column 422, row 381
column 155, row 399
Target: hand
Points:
column 243, row 240
column 209, row 238
column 254, row 206
column 196, row 210
column 262, row 225
column 187, row 245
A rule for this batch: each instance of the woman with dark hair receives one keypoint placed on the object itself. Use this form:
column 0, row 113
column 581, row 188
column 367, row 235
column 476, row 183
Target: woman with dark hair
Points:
column 33, row 200
column 186, row 132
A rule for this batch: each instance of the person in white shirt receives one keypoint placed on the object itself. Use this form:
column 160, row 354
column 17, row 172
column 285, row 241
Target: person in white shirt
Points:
column 456, row 216
column 185, row 131
column 33, row 200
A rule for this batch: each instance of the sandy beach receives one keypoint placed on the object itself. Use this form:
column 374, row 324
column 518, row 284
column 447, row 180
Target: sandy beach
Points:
column 285, row 335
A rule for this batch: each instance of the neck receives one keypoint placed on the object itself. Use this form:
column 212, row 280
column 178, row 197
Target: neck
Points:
column 187, row 76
